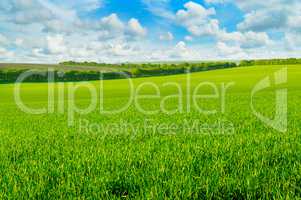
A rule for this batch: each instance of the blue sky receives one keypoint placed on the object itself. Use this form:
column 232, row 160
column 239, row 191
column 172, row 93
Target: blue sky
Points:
column 148, row 30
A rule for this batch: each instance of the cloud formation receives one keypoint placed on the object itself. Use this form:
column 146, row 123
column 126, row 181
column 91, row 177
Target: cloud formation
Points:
column 53, row 30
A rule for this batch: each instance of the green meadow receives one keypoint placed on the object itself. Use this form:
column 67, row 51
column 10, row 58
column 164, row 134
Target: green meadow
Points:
column 213, row 147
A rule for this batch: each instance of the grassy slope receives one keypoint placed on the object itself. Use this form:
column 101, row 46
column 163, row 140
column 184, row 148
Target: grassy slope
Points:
column 40, row 155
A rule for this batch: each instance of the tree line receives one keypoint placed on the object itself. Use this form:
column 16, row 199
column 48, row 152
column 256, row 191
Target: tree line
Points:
column 125, row 70
column 169, row 69
column 156, row 69
column 134, row 70
column 288, row 61
column 11, row 76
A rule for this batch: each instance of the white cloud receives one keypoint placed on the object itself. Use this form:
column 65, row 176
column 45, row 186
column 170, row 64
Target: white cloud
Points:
column 270, row 15
column 210, row 28
column 226, row 50
column 112, row 22
column 34, row 11
column 181, row 46
column 59, row 12
column 57, row 26
column 159, row 8
column 33, row 16
column 166, row 36
column 86, row 5
column 249, row 6
column 294, row 21
column 194, row 15
column 245, row 40
column 37, row 52
column 255, row 40
column 200, row 22
column 135, row 28
column 17, row 5
column 263, row 20
column 292, row 40
column 56, row 44
column 4, row 53
column 19, row 41
column 54, row 30
column 216, row 1
column 181, row 51
column 188, row 38
column 224, row 36
column 265, row 15
column 52, row 40
column 3, row 40
column 50, row 17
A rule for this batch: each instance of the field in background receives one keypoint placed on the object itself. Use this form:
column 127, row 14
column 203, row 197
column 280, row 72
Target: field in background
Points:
column 89, row 71
column 12, row 66
column 71, row 71
column 42, row 157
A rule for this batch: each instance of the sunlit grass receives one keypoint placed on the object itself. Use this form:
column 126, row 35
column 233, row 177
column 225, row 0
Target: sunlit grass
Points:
column 44, row 158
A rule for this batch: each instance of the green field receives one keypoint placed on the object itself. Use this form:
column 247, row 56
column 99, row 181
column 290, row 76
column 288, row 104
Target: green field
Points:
column 44, row 158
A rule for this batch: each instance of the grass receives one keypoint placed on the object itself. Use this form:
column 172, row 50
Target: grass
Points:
column 44, row 158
